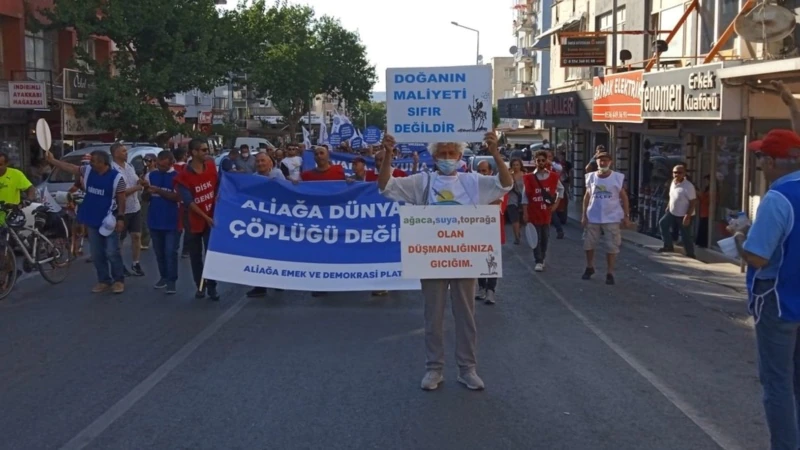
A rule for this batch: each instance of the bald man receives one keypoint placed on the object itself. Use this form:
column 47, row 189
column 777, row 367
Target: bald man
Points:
column 325, row 171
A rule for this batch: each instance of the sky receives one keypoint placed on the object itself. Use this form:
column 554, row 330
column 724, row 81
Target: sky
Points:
column 418, row 33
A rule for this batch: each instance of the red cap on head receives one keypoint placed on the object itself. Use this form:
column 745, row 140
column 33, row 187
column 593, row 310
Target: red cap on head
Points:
column 777, row 144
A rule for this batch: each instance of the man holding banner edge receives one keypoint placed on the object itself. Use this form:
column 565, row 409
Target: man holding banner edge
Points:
column 443, row 187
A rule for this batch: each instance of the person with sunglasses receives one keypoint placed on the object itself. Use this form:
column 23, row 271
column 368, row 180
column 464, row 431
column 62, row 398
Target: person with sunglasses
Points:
column 197, row 185
column 680, row 212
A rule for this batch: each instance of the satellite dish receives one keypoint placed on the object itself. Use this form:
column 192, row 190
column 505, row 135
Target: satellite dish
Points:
column 43, row 135
column 513, row 50
column 765, row 23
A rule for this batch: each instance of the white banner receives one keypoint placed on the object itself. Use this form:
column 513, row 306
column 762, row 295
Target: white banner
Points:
column 446, row 242
column 439, row 104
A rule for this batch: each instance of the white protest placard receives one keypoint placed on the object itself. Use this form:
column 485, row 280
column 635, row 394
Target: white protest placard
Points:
column 446, row 242
column 439, row 104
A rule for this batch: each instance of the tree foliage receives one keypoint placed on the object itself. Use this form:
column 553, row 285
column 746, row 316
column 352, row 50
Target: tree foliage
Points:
column 373, row 112
column 495, row 117
column 296, row 56
column 163, row 48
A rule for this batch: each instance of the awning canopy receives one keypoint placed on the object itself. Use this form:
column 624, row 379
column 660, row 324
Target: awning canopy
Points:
column 764, row 69
column 542, row 41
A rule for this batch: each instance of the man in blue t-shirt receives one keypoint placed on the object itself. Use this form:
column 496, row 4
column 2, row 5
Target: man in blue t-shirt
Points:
column 162, row 219
column 105, row 191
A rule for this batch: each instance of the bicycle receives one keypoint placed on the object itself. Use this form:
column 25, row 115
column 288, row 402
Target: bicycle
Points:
column 41, row 236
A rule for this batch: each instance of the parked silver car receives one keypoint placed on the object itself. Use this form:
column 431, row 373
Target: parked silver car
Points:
column 59, row 180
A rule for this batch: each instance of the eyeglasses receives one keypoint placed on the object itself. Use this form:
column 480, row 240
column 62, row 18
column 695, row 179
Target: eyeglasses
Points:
column 677, row 173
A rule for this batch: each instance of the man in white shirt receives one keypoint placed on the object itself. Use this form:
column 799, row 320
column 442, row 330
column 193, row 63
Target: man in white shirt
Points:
column 133, row 209
column 605, row 205
column 679, row 213
column 294, row 163
column 447, row 186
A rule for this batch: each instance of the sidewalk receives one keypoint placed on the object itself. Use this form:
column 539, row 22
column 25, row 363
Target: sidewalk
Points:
column 715, row 267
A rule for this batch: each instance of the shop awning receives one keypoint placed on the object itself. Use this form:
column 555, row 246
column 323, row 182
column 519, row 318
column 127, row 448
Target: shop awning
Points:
column 767, row 69
column 542, row 41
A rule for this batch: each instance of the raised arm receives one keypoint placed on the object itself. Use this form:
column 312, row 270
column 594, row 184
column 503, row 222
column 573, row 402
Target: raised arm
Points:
column 61, row 165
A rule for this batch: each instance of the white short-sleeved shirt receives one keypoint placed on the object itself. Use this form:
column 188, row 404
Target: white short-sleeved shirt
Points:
column 604, row 198
column 680, row 197
column 464, row 188
column 132, row 204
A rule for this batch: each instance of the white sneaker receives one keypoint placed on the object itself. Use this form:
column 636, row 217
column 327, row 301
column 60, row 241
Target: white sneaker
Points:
column 539, row 267
column 490, row 297
column 472, row 381
column 481, row 294
column 431, row 380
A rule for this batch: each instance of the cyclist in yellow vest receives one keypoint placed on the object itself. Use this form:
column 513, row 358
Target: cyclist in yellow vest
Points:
column 13, row 182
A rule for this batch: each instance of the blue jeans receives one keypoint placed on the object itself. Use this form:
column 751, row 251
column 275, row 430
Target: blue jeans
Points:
column 165, row 245
column 779, row 372
column 106, row 252
column 667, row 223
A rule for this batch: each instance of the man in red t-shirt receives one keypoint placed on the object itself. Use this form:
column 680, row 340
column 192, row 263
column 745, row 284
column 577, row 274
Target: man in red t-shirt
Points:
column 197, row 185
column 325, row 171
column 372, row 174
column 540, row 200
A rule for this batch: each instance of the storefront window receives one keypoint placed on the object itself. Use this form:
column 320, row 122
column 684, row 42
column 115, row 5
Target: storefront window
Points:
column 657, row 158
column 730, row 160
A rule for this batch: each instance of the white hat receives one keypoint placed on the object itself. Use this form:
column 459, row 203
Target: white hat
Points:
column 108, row 226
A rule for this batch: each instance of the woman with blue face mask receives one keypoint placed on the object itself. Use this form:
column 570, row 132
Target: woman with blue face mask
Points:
column 447, row 186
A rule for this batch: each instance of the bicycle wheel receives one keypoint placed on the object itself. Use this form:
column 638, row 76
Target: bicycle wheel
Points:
column 56, row 269
column 8, row 270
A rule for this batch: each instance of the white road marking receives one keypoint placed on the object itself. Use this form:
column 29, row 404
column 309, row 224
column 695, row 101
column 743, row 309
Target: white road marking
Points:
column 717, row 435
column 105, row 420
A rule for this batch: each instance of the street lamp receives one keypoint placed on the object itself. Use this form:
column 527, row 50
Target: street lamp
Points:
column 478, row 51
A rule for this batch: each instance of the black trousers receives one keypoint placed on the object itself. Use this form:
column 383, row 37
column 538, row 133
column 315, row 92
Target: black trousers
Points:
column 487, row 283
column 540, row 252
column 198, row 245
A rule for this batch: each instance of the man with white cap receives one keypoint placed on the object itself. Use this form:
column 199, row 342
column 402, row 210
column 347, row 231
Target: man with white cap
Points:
column 447, row 186
column 100, row 212
column 771, row 249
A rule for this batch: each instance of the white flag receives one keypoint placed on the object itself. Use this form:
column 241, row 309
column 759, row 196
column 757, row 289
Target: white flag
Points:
column 306, row 138
column 323, row 134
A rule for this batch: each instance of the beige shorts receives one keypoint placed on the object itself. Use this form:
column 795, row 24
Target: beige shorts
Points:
column 611, row 236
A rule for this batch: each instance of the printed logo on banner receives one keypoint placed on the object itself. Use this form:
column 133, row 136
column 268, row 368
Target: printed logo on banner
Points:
column 444, row 242
column 335, row 139
column 372, row 135
column 439, row 104
column 320, row 236
column 346, row 131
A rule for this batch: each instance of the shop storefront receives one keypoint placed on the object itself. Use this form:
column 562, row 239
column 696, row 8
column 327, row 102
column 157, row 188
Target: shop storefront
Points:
column 562, row 115
column 691, row 118
column 563, row 108
column 764, row 111
column 617, row 105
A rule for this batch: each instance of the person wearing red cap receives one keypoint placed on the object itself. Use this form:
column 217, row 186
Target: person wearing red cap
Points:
column 771, row 249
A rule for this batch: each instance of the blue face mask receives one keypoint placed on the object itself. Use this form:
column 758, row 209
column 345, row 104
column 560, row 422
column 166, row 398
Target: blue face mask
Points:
column 447, row 166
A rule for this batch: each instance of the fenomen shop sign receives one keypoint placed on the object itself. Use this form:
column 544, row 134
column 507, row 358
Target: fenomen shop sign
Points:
column 693, row 93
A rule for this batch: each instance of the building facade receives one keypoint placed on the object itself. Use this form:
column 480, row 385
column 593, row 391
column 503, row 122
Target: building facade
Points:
column 35, row 81
column 503, row 77
column 697, row 102
column 532, row 63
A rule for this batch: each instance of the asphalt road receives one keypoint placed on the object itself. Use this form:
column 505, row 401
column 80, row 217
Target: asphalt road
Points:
column 662, row 360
